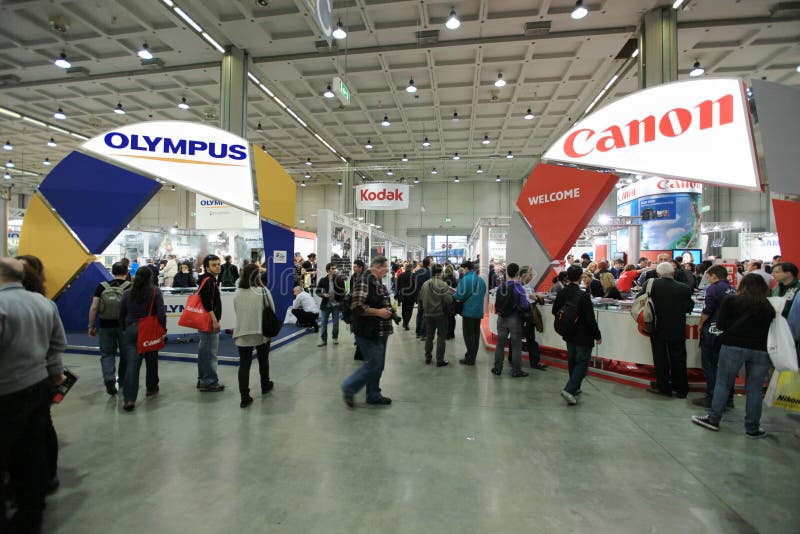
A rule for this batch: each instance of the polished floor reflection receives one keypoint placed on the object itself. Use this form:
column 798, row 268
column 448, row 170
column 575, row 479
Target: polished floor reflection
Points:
column 459, row 450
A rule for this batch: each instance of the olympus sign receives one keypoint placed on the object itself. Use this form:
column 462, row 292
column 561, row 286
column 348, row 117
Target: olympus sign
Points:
column 698, row 130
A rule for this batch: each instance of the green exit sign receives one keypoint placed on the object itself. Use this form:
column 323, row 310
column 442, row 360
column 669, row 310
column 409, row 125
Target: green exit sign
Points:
column 705, row 209
column 448, row 219
column 341, row 91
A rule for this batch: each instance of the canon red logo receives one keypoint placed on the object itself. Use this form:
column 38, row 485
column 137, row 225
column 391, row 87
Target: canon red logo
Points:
column 673, row 123
column 675, row 184
column 630, row 193
column 383, row 194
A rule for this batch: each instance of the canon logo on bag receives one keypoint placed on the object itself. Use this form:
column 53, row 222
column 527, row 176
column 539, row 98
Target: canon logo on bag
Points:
column 195, row 310
column 151, row 342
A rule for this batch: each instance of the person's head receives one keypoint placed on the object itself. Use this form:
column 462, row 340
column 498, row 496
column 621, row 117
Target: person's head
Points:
column 619, row 264
column 126, row 262
column 448, row 270
column 142, row 287
column 570, row 259
column 358, row 266
column 330, row 269
column 34, row 274
column 574, row 273
column 678, row 259
column 150, row 261
column 436, row 270
column 312, row 257
column 227, row 259
column 776, row 259
column 526, row 274
column 562, row 277
column 715, row 273
column 119, row 270
column 602, row 265
column 630, row 267
column 754, row 264
column 665, row 270
column 297, row 290
column 298, row 257
column 11, row 271
column 211, row 264
column 466, row 265
column 592, row 267
column 587, row 277
column 512, row 271
column 378, row 266
column 785, row 272
column 642, row 262
column 585, row 257
column 251, row 277
column 426, row 262
column 664, row 257
column 607, row 281
column 185, row 268
column 753, row 287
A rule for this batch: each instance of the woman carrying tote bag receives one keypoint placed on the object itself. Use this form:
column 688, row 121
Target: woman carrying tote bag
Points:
column 248, row 303
column 139, row 302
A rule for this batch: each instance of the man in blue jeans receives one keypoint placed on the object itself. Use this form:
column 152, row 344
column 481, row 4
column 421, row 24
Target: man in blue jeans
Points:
column 584, row 332
column 372, row 326
column 207, row 380
column 331, row 288
column 420, row 277
column 105, row 304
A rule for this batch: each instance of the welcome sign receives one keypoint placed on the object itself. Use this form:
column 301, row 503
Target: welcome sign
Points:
column 201, row 158
column 382, row 196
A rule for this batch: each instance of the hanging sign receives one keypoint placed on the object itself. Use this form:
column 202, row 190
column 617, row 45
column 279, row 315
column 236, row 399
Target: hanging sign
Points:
column 697, row 130
column 382, row 196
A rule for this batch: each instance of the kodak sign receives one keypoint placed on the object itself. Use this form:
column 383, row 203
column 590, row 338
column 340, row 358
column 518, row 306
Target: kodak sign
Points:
column 698, row 130
column 381, row 196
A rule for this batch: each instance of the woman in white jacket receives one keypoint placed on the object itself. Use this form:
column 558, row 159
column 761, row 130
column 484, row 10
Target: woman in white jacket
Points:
column 170, row 270
column 248, row 303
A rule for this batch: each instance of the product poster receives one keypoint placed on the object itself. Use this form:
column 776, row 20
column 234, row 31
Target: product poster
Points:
column 278, row 256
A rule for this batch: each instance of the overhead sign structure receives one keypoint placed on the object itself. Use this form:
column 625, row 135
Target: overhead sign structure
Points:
column 201, row 158
column 382, row 196
column 697, row 130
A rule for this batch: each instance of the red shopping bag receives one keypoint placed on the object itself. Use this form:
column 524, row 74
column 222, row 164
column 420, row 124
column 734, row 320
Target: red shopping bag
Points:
column 194, row 315
column 152, row 336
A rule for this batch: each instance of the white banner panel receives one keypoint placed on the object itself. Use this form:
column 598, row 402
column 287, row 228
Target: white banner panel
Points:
column 214, row 214
column 381, row 196
column 201, row 158
column 697, row 130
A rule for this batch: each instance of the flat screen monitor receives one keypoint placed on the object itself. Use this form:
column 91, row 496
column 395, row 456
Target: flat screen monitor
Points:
column 694, row 255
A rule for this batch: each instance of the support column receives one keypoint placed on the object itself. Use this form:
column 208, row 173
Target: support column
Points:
column 233, row 91
column 5, row 197
column 658, row 47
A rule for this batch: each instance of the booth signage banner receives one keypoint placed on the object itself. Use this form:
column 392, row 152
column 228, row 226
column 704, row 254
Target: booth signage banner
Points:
column 697, row 130
column 382, row 196
column 215, row 214
column 199, row 157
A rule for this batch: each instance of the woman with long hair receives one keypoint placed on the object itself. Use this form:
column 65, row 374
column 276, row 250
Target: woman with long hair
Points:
column 609, row 285
column 141, row 300
column 744, row 319
column 248, row 303
column 34, row 274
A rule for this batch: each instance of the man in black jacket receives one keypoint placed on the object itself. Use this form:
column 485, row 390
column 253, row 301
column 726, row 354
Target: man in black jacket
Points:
column 331, row 289
column 671, row 301
column 405, row 293
column 420, row 277
column 208, row 345
column 358, row 270
column 586, row 332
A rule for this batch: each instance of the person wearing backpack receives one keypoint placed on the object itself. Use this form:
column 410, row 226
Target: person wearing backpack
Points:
column 510, row 303
column 229, row 274
column 576, row 323
column 105, row 305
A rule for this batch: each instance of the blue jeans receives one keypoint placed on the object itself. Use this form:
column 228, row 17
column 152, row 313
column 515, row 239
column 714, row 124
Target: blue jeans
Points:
column 110, row 341
column 325, row 312
column 421, row 329
column 369, row 374
column 756, row 365
column 133, row 363
column 207, row 358
column 578, row 357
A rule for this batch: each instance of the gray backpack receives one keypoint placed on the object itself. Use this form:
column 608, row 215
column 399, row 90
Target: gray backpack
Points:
column 110, row 299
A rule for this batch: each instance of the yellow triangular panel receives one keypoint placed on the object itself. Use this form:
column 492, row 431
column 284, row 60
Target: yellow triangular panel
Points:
column 277, row 192
column 45, row 236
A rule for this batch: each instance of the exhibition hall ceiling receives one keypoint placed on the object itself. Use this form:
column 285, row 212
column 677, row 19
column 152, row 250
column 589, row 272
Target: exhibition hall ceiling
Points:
column 553, row 65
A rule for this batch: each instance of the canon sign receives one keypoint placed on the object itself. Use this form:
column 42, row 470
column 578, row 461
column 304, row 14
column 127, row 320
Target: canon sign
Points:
column 382, row 196
column 698, row 130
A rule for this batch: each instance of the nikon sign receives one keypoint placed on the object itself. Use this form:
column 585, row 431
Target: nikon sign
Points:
column 382, row 196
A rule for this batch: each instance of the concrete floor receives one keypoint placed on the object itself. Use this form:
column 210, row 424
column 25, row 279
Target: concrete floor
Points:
column 459, row 450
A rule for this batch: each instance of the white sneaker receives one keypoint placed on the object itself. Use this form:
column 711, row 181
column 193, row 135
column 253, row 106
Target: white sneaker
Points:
column 569, row 397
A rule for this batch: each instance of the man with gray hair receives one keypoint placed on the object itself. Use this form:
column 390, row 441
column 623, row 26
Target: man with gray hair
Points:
column 31, row 343
column 671, row 301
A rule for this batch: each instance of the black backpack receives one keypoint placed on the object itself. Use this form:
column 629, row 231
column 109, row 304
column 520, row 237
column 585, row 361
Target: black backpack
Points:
column 505, row 300
column 226, row 278
column 344, row 308
column 567, row 318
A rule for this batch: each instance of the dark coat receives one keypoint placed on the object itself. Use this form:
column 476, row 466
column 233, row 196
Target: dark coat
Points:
column 672, row 301
column 587, row 329
column 404, row 288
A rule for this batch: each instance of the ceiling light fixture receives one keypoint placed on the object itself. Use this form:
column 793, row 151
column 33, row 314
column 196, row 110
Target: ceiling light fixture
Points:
column 329, row 93
column 6, row 176
column 60, row 115
column 579, row 12
column 452, row 21
column 529, row 115
column 404, row 158
column 62, row 61
column 499, row 82
column 52, row 143
column 480, row 170
column 339, row 32
column 676, row 4
column 389, row 173
column 182, row 104
column 258, row 126
column 497, row 179
column 385, row 122
column 339, row 183
column 456, row 180
column 509, row 155
column 411, row 88
column 368, row 146
column 172, row 188
column 485, row 139
column 416, row 180
column 46, row 162
column 144, row 52
column 798, row 68
column 456, row 157
column 455, row 116
column 8, row 146
column 10, row 164
column 434, row 171
column 303, row 183
column 118, row 110
column 307, row 175
column 426, row 143
column 697, row 70
column 635, row 53
column 308, row 162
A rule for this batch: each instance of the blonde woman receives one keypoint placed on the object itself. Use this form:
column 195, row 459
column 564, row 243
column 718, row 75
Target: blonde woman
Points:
column 609, row 285
column 591, row 284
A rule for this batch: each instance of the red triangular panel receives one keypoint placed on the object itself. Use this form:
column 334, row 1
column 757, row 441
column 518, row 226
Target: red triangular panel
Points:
column 787, row 221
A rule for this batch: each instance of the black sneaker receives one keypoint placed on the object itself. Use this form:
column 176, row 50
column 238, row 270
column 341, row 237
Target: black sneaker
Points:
column 760, row 433
column 385, row 401
column 349, row 401
column 322, row 344
column 518, row 374
column 267, row 387
column 111, row 387
column 463, row 361
column 246, row 401
column 705, row 421
column 496, row 371
column 443, row 363
column 539, row 366
column 212, row 388
column 428, row 360
column 152, row 392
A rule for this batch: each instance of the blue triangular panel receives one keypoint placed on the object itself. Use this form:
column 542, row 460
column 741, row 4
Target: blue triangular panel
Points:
column 96, row 199
column 74, row 303
column 280, row 276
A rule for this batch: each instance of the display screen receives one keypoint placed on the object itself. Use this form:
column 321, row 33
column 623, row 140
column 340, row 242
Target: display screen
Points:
column 689, row 255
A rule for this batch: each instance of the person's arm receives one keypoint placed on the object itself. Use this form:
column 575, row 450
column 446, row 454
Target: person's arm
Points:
column 58, row 344
column 270, row 301
column 461, row 291
column 587, row 314
column 725, row 310
column 160, row 311
column 559, row 301
column 93, row 316
column 359, row 304
column 123, row 310
column 689, row 302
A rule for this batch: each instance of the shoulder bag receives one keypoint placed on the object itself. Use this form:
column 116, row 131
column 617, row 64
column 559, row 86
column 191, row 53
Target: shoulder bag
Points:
column 643, row 311
column 194, row 315
column 270, row 324
column 152, row 336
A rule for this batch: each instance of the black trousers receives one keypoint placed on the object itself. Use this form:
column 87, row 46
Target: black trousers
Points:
column 669, row 360
column 305, row 318
column 408, row 311
column 451, row 326
column 23, row 438
column 529, row 331
column 471, row 328
column 246, row 359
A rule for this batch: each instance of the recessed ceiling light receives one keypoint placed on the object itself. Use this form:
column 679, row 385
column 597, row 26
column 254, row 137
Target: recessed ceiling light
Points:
column 411, row 88
column 328, row 93
column 579, row 12
column 499, row 82
column 308, row 162
column 182, row 104
column 529, row 115
column 452, row 21
column 798, row 68
column 385, row 121
column 118, row 110
column 404, row 158
column 485, row 139
column 697, row 70
column 144, row 52
column 426, row 143
column 52, row 143
column 368, row 146
column 456, row 156
column 434, row 171
column 62, row 61
column 8, row 146
column 339, row 32
column 46, row 162
column 60, row 115
column 480, row 170
column 510, row 155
